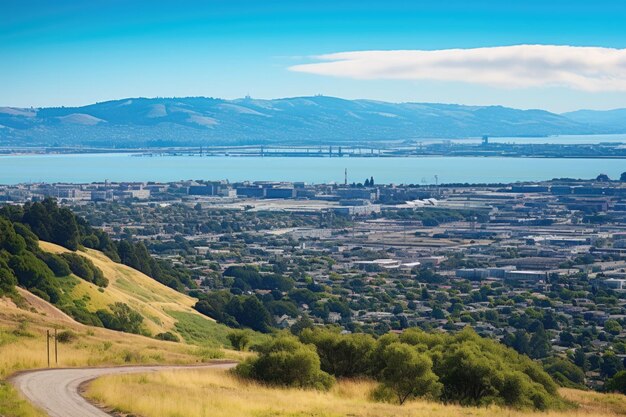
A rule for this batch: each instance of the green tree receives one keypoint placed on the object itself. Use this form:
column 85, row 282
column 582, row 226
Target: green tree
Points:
column 341, row 355
column 407, row 373
column 285, row 361
column 32, row 273
column 565, row 373
column 7, row 279
column 57, row 264
column 521, row 342
column 303, row 323
column 611, row 364
column 613, row 327
column 539, row 345
column 580, row 359
column 9, row 239
column 250, row 312
column 618, row 382
column 240, row 339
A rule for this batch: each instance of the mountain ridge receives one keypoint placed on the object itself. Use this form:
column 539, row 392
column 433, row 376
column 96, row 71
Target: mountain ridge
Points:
column 309, row 120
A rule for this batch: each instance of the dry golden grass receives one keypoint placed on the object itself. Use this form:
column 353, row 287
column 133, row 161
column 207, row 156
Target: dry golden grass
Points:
column 23, row 346
column 594, row 402
column 23, row 330
column 216, row 393
column 142, row 293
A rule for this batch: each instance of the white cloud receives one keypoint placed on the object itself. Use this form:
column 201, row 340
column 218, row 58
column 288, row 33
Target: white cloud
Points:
column 581, row 68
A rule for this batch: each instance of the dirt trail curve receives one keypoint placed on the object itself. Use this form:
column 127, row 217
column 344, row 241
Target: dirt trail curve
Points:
column 56, row 391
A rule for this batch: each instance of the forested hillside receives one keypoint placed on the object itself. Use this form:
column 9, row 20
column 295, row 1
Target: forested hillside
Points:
column 51, row 223
column 91, row 287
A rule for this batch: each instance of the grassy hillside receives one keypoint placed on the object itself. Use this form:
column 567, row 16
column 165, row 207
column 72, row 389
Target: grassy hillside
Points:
column 195, row 393
column 23, row 346
column 163, row 308
column 23, row 328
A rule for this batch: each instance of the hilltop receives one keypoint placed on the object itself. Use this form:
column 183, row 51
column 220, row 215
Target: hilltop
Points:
column 198, row 121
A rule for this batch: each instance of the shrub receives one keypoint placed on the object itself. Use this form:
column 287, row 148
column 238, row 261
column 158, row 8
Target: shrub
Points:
column 168, row 336
column 617, row 383
column 285, row 361
column 462, row 368
column 476, row 371
column 341, row 356
column 7, row 279
column 33, row 273
column 121, row 318
column 240, row 339
column 407, row 373
column 132, row 356
column 85, row 269
column 565, row 373
column 66, row 336
column 57, row 264
column 207, row 354
column 82, row 315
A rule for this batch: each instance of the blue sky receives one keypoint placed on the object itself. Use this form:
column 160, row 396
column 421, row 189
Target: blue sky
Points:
column 78, row 52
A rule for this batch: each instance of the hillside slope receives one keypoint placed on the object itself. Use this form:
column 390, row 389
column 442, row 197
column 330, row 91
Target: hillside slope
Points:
column 23, row 328
column 157, row 303
column 195, row 121
column 23, row 346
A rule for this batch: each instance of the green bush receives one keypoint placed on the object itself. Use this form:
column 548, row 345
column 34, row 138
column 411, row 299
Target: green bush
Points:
column 341, row 356
column 565, row 373
column 85, row 269
column 285, row 361
column 32, row 273
column 168, row 336
column 66, row 336
column 460, row 368
column 57, row 264
column 477, row 371
column 7, row 279
column 121, row 318
column 240, row 339
column 407, row 373
column 81, row 314
column 617, row 383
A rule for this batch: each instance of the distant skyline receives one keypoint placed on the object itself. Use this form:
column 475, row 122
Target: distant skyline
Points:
column 555, row 55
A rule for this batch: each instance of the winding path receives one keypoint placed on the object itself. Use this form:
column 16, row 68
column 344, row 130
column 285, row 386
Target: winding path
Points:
column 56, row 391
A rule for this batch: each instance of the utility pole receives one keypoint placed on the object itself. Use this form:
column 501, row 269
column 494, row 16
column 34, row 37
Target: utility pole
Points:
column 48, row 345
column 56, row 355
column 56, row 347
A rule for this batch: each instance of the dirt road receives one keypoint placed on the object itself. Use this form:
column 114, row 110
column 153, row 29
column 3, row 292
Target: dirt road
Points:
column 56, row 391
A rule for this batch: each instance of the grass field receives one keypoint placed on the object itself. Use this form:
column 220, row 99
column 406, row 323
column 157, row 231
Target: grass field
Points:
column 216, row 393
column 23, row 329
column 23, row 346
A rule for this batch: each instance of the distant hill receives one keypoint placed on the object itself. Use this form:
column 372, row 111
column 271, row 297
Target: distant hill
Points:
column 315, row 120
column 611, row 121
